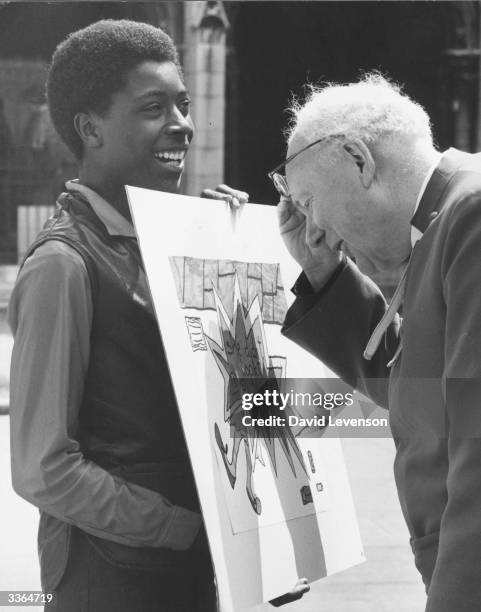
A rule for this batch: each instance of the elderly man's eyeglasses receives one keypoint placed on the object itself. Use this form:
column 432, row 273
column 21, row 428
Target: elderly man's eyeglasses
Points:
column 279, row 180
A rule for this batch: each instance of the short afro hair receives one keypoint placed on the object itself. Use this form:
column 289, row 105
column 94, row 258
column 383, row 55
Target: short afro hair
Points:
column 92, row 64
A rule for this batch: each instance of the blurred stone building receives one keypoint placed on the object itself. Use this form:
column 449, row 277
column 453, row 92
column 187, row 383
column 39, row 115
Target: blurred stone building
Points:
column 241, row 61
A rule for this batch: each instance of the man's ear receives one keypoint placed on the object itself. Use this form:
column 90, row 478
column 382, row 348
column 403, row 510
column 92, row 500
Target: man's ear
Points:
column 88, row 129
column 360, row 155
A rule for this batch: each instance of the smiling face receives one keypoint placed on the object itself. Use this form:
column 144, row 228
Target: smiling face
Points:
column 145, row 134
column 360, row 217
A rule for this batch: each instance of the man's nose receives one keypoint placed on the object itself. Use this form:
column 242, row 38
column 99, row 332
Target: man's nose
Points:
column 180, row 124
column 314, row 234
column 332, row 240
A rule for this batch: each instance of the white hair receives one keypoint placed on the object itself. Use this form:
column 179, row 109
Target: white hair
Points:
column 367, row 110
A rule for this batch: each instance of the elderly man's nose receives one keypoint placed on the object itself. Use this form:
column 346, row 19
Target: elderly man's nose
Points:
column 314, row 234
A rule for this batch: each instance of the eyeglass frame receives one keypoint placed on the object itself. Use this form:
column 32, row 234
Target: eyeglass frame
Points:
column 274, row 174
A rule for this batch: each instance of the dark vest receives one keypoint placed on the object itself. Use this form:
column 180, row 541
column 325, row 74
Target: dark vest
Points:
column 128, row 422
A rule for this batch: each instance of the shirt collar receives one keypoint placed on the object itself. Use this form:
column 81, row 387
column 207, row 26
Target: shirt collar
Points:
column 116, row 224
column 415, row 233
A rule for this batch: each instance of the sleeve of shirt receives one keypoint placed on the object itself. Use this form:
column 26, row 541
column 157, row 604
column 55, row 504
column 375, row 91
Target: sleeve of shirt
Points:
column 455, row 583
column 50, row 314
column 335, row 325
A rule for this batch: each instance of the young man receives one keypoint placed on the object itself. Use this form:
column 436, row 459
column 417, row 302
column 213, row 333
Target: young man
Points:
column 97, row 443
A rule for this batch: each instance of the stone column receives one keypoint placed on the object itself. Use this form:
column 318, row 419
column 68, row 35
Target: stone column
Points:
column 205, row 28
column 463, row 63
column 463, row 59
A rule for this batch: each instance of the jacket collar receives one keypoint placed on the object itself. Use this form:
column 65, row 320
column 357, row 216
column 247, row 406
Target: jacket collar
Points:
column 432, row 202
column 115, row 223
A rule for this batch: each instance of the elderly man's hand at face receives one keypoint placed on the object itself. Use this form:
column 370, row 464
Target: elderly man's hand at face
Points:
column 307, row 243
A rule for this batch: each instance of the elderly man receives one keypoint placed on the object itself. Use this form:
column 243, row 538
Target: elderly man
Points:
column 363, row 179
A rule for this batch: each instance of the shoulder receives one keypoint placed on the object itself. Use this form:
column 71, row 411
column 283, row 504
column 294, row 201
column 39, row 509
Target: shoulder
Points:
column 460, row 224
column 54, row 258
column 54, row 277
column 460, row 193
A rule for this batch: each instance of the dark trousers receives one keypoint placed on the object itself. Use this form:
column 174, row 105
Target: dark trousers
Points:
column 91, row 583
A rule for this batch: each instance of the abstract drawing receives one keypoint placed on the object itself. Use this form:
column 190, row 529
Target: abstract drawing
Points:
column 253, row 293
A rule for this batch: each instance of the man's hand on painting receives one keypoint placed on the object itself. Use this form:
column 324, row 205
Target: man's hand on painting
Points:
column 234, row 197
column 307, row 243
column 295, row 593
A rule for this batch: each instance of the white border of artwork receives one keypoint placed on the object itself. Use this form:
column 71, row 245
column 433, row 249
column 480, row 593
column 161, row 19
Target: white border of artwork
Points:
column 256, row 565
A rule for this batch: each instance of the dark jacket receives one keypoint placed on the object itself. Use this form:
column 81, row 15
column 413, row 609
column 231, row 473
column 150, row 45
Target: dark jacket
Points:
column 128, row 422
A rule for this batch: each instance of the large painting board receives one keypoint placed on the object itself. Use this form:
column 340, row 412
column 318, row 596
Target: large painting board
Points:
column 276, row 508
